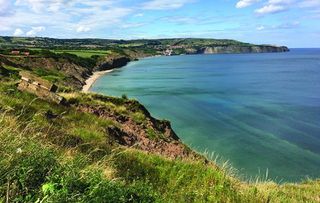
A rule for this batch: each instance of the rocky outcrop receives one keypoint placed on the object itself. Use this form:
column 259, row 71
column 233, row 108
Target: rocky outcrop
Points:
column 74, row 75
column 242, row 49
column 112, row 62
column 153, row 136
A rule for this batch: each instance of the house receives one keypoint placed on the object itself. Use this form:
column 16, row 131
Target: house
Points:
column 40, row 87
column 26, row 53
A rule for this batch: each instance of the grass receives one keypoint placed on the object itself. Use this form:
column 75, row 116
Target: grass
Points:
column 84, row 53
column 55, row 153
column 153, row 135
column 50, row 75
column 35, row 171
column 177, row 181
column 138, row 117
column 125, row 175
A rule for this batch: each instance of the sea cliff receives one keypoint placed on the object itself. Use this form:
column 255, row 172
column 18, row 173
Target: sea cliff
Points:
column 242, row 49
column 97, row 148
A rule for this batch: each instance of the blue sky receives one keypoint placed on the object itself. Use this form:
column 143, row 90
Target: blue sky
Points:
column 295, row 23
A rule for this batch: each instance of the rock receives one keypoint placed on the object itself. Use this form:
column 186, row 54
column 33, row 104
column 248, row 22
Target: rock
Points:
column 242, row 49
column 120, row 136
column 112, row 62
column 40, row 87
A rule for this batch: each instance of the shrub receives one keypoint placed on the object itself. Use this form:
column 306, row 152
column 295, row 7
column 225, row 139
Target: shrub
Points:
column 124, row 96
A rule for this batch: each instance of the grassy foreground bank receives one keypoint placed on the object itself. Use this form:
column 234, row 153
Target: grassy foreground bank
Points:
column 56, row 153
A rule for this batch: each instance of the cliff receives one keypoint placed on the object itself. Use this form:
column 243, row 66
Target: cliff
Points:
column 242, row 49
column 108, row 63
column 97, row 148
column 142, row 47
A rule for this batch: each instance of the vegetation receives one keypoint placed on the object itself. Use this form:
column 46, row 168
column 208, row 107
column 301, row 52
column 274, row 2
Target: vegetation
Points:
column 67, row 153
column 89, row 44
column 84, row 53
column 44, row 160
column 88, row 48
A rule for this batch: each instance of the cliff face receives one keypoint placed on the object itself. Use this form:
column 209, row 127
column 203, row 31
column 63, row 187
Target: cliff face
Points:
column 65, row 72
column 241, row 49
column 145, row 133
column 111, row 62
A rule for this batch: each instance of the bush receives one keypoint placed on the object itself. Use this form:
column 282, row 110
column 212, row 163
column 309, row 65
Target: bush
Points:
column 124, row 96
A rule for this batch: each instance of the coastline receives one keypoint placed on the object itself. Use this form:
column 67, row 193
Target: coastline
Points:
column 93, row 78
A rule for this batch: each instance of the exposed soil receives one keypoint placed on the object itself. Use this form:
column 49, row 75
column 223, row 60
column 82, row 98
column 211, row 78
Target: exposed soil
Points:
column 131, row 134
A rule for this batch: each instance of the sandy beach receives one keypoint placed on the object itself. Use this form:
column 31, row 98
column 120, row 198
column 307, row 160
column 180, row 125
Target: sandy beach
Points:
column 92, row 79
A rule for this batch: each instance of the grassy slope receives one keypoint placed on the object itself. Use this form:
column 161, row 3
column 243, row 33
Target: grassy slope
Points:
column 71, row 158
column 84, row 53
column 99, row 44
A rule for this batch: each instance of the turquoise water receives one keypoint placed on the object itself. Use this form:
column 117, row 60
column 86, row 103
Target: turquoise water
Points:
column 259, row 111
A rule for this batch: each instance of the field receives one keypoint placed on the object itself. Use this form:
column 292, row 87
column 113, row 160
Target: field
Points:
column 83, row 53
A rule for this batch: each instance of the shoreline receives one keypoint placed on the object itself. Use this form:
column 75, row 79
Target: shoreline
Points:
column 97, row 74
column 93, row 78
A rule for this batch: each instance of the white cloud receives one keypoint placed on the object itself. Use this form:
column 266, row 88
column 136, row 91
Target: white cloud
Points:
column 35, row 30
column 165, row 4
column 83, row 29
column 275, row 6
column 40, row 6
column 245, row 3
column 4, row 7
column 271, row 8
column 56, row 5
column 18, row 32
column 35, row 5
column 309, row 3
column 63, row 17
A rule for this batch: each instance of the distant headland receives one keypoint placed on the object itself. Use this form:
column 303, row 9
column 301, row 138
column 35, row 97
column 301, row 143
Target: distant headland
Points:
column 172, row 46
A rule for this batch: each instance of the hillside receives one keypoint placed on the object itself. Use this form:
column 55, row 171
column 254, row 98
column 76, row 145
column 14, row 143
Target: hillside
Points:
column 97, row 148
column 151, row 46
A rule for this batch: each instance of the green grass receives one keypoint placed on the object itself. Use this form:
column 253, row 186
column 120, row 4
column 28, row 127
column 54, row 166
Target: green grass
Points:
column 177, row 181
column 35, row 171
column 84, row 53
column 138, row 117
column 153, row 135
column 50, row 75
column 71, row 158
column 11, row 68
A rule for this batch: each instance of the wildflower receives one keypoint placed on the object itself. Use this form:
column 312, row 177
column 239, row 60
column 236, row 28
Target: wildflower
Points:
column 19, row 150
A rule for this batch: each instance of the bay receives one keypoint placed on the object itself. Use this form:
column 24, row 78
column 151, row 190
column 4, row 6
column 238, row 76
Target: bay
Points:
column 259, row 111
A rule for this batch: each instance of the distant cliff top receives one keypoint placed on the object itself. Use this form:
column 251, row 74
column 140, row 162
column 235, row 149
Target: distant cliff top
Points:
column 176, row 43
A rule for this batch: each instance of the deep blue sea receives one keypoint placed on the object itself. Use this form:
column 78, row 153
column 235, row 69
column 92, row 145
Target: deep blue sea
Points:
column 259, row 111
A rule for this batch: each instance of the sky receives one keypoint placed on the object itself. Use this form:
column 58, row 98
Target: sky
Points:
column 294, row 23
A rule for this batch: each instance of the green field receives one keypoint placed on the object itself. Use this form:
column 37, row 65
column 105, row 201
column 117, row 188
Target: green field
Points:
column 83, row 53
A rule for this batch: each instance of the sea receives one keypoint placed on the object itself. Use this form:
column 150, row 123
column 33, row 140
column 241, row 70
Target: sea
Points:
column 258, row 112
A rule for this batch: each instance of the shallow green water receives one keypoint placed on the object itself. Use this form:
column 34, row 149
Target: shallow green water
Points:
column 259, row 111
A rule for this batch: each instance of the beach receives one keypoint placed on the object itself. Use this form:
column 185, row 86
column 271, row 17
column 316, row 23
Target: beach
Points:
column 92, row 79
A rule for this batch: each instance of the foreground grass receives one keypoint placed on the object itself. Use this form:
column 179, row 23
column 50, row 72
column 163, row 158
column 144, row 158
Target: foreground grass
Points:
column 71, row 158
